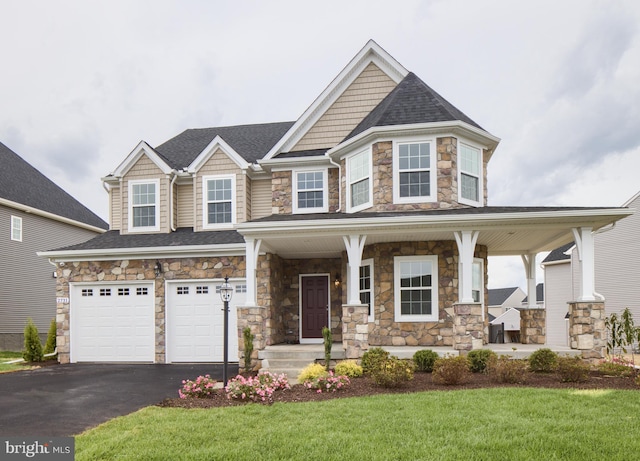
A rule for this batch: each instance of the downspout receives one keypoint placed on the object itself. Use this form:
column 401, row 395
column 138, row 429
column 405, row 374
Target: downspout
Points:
column 171, row 212
column 339, row 183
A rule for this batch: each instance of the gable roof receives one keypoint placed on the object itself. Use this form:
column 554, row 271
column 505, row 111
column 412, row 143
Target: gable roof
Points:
column 21, row 183
column 497, row 296
column 411, row 102
column 559, row 254
column 539, row 294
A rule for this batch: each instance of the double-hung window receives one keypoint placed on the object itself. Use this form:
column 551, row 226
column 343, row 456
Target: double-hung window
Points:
column 219, row 201
column 414, row 179
column 416, row 288
column 366, row 286
column 310, row 191
column 16, row 228
column 470, row 169
column 359, row 173
column 144, row 205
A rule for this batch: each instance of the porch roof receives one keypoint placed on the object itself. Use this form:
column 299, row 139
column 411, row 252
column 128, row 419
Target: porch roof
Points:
column 503, row 230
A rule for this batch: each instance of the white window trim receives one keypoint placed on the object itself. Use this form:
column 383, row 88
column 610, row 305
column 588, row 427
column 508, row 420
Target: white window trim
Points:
column 16, row 225
column 398, row 317
column 325, row 191
column 461, row 199
column 130, row 226
column 433, row 176
column 205, row 224
column 369, row 262
column 368, row 203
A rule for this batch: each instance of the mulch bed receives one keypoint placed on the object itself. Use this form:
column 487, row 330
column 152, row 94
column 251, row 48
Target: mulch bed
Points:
column 421, row 382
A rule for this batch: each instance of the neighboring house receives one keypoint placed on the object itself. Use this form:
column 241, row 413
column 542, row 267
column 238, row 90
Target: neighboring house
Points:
column 35, row 215
column 502, row 299
column 508, row 324
column 367, row 214
column 539, row 297
column 617, row 274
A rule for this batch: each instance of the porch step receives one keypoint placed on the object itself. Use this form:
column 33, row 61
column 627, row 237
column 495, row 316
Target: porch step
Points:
column 292, row 358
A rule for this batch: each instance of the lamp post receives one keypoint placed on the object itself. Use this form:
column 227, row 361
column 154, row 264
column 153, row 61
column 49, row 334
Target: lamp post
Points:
column 226, row 291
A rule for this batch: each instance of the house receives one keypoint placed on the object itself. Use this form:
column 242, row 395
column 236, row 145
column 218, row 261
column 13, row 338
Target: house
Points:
column 368, row 214
column 506, row 327
column 35, row 214
column 503, row 299
column 539, row 297
column 617, row 278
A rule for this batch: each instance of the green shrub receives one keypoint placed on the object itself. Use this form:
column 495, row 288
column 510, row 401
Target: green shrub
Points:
column 392, row 372
column 572, row 369
column 451, row 370
column 616, row 369
column 327, row 339
column 50, row 346
column 543, row 360
column 479, row 359
column 349, row 368
column 425, row 359
column 311, row 372
column 248, row 348
column 32, row 346
column 372, row 358
column 504, row 369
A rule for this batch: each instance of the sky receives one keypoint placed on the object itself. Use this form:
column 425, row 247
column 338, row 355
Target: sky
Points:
column 83, row 82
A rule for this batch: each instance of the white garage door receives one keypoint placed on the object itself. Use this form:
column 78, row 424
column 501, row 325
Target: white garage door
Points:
column 195, row 321
column 112, row 322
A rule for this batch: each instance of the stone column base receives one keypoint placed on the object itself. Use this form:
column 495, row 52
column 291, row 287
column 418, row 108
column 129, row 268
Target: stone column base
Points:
column 468, row 327
column 587, row 330
column 355, row 330
column 252, row 317
column 533, row 326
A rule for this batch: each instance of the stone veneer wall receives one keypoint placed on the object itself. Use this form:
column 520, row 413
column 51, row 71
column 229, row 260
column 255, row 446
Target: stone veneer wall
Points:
column 355, row 330
column 533, row 326
column 138, row 270
column 468, row 327
column 587, row 330
column 384, row 331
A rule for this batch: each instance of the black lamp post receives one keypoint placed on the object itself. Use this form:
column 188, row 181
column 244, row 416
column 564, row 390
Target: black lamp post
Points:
column 226, row 291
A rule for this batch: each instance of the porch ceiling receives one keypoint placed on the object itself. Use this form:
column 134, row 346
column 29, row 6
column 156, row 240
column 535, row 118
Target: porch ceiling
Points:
column 502, row 233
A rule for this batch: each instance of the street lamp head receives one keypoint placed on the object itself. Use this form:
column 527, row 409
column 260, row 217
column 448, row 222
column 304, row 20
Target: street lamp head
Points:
column 226, row 290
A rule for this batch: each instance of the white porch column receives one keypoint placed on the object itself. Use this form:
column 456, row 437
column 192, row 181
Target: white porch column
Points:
column 529, row 261
column 466, row 241
column 252, row 250
column 354, row 245
column 584, row 242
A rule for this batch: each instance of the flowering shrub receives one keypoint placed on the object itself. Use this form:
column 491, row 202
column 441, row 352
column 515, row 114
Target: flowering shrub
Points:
column 617, row 366
column 258, row 388
column 349, row 368
column 202, row 387
column 327, row 383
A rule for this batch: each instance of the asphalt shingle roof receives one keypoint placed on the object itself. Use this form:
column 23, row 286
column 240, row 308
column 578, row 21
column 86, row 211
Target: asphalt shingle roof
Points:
column 22, row 183
column 411, row 101
column 252, row 142
column 497, row 296
column 559, row 254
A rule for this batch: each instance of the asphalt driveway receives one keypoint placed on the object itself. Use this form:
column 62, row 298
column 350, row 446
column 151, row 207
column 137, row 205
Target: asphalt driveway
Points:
column 64, row 400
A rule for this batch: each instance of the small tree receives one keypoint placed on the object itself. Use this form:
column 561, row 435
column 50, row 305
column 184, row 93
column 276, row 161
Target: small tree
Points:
column 50, row 346
column 248, row 348
column 328, row 343
column 621, row 333
column 32, row 346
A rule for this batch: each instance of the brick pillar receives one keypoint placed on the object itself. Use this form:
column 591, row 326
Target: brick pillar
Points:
column 468, row 327
column 252, row 317
column 587, row 331
column 533, row 326
column 355, row 330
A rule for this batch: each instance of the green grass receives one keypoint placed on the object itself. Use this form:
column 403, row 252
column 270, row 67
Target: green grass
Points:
column 6, row 356
column 487, row 424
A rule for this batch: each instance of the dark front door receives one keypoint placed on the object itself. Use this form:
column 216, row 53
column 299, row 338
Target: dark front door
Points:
column 315, row 305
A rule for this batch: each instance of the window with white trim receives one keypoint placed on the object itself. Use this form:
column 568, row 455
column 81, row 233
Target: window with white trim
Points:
column 359, row 171
column 469, row 176
column 476, row 281
column 310, row 191
column 366, row 286
column 414, row 172
column 16, row 228
column 416, row 288
column 219, row 201
column 144, row 205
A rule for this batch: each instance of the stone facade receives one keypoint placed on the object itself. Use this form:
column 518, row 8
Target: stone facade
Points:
column 468, row 327
column 355, row 330
column 533, row 326
column 138, row 270
column 587, row 330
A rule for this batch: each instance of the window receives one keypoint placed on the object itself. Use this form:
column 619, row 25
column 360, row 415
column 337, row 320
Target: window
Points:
column 123, row 292
column 16, row 228
column 469, row 175
column 476, row 281
column 105, row 291
column 203, row 290
column 142, row 291
column 310, row 192
column 241, row 288
column 87, row 292
column 414, row 172
column 182, row 290
column 359, row 174
column 366, row 286
column 416, row 288
column 143, row 205
column 219, row 206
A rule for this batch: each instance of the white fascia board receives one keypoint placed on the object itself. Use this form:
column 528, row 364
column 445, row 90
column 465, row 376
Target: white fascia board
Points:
column 208, row 151
column 190, row 251
column 46, row 214
column 452, row 128
column 141, row 149
column 370, row 53
column 555, row 263
column 282, row 164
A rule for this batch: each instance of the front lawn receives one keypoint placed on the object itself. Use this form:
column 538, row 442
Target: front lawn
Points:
column 491, row 424
column 7, row 356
